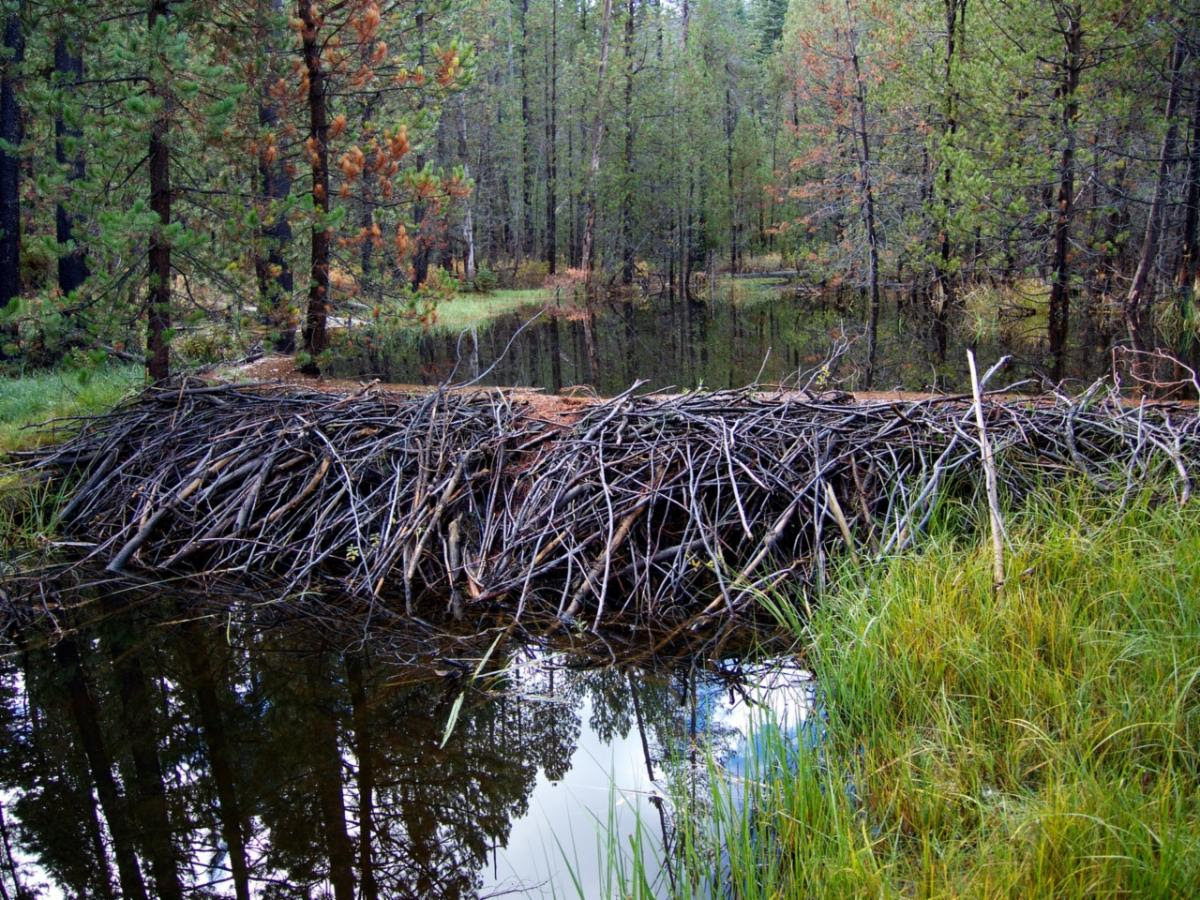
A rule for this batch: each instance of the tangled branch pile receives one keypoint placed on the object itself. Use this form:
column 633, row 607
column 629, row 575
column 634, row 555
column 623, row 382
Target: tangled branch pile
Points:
column 642, row 511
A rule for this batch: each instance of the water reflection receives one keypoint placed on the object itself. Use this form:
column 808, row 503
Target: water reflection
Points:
column 748, row 333
column 144, row 759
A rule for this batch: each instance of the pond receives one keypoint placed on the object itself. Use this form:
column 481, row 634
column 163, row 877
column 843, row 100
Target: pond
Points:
column 753, row 331
column 147, row 754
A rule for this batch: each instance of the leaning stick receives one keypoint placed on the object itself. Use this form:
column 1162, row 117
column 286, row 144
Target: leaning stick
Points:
column 989, row 476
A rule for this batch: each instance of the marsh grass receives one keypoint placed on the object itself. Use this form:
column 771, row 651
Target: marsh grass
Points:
column 1044, row 743
column 28, row 406
column 468, row 310
column 29, row 401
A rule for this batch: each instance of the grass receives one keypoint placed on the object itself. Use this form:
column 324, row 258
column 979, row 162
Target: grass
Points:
column 30, row 400
column 1046, row 743
column 27, row 403
column 467, row 310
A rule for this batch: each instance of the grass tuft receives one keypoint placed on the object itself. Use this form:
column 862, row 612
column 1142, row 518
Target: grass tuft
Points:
column 1046, row 743
column 30, row 400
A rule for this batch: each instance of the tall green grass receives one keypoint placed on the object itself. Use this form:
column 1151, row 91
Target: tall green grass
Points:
column 27, row 405
column 30, row 400
column 1046, row 743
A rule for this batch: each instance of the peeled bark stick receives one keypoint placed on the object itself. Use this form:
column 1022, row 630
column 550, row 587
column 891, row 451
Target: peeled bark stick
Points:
column 840, row 517
column 989, row 476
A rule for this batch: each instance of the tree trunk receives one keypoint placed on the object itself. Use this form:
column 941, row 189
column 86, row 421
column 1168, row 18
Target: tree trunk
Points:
column 1140, row 299
column 1189, row 255
column 10, row 163
column 947, row 299
column 867, row 189
column 316, row 338
column 551, row 147
column 1060, row 284
column 468, row 225
column 597, row 139
column 275, row 280
column 729, row 126
column 627, row 251
column 72, row 261
column 420, row 259
column 526, row 128
column 158, row 319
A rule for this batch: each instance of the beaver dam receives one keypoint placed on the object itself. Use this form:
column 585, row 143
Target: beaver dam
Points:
column 640, row 514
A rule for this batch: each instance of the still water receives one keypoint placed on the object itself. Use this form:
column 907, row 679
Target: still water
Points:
column 142, row 757
column 747, row 332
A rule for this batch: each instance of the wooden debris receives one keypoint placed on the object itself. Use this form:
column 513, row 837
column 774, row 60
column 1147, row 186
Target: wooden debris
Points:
column 645, row 511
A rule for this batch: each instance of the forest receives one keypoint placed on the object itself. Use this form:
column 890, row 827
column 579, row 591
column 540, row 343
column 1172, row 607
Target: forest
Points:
column 605, row 448
column 180, row 181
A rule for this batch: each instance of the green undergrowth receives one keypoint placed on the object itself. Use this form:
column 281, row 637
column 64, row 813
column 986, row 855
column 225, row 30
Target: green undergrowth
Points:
column 1042, row 743
column 29, row 404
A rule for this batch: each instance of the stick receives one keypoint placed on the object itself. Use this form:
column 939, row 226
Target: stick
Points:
column 989, row 475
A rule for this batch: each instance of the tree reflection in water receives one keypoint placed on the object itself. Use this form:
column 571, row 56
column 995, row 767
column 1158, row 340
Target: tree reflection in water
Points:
column 146, row 759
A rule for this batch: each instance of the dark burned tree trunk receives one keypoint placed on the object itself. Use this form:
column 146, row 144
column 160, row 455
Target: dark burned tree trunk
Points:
column 1141, row 291
column 158, row 319
column 1070, row 18
column 551, row 146
column 867, row 189
column 526, row 128
column 274, row 271
column 316, row 338
column 10, row 161
column 72, row 262
column 627, row 253
column 91, row 738
column 421, row 241
column 947, row 299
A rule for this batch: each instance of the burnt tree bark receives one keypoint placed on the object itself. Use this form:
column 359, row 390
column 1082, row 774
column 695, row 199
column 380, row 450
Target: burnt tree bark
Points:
column 72, row 261
column 1070, row 16
column 158, row 317
column 274, row 271
column 10, row 162
column 316, row 319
